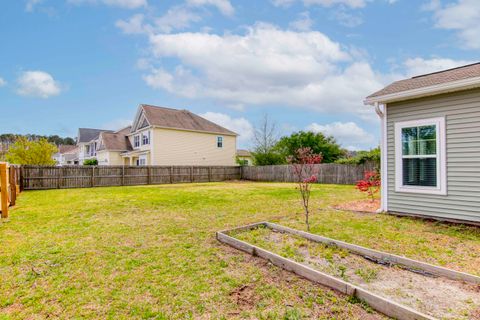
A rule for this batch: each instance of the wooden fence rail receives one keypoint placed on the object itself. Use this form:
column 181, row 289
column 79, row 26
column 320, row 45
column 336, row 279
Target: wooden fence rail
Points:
column 46, row 177
column 9, row 187
column 327, row 173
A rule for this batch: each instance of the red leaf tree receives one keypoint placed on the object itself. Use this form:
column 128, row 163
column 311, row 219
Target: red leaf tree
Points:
column 370, row 184
column 304, row 168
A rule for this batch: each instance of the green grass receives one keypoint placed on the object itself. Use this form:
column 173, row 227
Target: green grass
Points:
column 150, row 252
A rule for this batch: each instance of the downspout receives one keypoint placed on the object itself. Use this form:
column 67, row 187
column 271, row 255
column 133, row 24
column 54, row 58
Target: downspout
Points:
column 382, row 113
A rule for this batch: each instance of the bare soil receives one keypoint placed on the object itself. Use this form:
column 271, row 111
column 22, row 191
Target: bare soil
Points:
column 362, row 206
column 437, row 296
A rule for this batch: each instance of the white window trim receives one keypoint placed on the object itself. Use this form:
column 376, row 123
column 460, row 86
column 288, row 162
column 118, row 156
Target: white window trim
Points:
column 223, row 141
column 441, row 188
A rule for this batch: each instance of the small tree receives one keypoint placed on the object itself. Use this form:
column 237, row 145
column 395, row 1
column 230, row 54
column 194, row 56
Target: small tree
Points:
column 303, row 166
column 24, row 151
column 90, row 162
column 370, row 184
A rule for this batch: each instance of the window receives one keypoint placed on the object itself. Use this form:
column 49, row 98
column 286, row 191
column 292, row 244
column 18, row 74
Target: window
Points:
column 136, row 141
column 420, row 156
column 146, row 138
column 219, row 142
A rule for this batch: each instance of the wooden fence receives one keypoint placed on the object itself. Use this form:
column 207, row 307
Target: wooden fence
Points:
column 327, row 173
column 45, row 177
column 9, row 187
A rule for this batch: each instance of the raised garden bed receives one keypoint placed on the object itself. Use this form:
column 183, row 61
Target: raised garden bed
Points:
column 396, row 286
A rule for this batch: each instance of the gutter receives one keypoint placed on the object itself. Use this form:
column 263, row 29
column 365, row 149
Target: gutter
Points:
column 381, row 111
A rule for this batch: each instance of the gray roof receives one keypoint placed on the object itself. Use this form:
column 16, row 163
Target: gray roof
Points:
column 181, row 119
column 431, row 79
column 243, row 153
column 87, row 134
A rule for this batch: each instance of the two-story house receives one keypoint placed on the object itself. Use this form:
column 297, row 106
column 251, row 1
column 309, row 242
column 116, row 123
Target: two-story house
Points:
column 162, row 136
column 87, row 143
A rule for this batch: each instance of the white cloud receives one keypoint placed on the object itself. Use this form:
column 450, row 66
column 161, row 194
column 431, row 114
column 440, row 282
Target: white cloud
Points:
column 128, row 4
column 303, row 23
column 347, row 19
column 37, row 84
column 134, row 25
column 176, row 18
column 265, row 66
column 324, row 3
column 348, row 134
column 224, row 6
column 30, row 5
column 418, row 66
column 2, row 82
column 238, row 125
column 462, row 16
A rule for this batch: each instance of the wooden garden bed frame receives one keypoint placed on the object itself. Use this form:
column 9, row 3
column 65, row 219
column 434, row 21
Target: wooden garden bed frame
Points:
column 381, row 304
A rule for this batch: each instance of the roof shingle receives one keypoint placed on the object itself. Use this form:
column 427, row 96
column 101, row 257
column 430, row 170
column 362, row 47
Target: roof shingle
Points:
column 181, row 119
column 431, row 79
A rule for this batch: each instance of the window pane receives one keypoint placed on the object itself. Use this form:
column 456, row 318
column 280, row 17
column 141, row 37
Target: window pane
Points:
column 420, row 172
column 409, row 140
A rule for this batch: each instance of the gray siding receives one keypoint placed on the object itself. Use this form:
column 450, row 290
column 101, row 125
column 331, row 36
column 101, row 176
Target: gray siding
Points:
column 462, row 118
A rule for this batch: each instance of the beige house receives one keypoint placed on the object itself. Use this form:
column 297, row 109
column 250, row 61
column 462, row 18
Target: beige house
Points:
column 244, row 157
column 165, row 136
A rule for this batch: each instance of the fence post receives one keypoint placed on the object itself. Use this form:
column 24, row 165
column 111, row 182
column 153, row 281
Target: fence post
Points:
column 92, row 182
column 149, row 175
column 13, row 185
column 21, row 180
column 4, row 190
column 123, row 175
column 209, row 174
column 191, row 174
column 171, row 174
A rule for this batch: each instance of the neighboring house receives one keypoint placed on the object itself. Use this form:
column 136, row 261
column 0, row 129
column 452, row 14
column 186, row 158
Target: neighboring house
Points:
column 111, row 146
column 87, row 143
column 431, row 144
column 244, row 157
column 66, row 155
column 165, row 136
column 160, row 136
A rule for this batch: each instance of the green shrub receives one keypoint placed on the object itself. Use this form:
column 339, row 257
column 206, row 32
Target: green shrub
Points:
column 90, row 162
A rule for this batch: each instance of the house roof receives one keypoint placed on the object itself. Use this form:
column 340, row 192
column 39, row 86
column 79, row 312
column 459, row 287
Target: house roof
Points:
column 243, row 153
column 181, row 119
column 117, row 141
column 455, row 79
column 64, row 148
column 88, row 134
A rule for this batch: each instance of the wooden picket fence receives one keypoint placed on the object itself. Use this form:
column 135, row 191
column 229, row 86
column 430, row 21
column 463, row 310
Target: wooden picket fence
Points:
column 9, row 187
column 327, row 173
column 51, row 177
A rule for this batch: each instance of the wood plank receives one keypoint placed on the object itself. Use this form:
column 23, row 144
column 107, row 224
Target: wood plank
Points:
column 4, row 203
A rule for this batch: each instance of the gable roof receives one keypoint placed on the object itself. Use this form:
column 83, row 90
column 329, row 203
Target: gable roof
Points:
column 179, row 119
column 455, row 79
column 243, row 153
column 88, row 134
column 66, row 148
column 117, row 141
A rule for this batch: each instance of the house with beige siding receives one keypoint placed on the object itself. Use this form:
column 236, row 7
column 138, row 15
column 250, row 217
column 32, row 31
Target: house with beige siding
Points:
column 164, row 136
column 431, row 145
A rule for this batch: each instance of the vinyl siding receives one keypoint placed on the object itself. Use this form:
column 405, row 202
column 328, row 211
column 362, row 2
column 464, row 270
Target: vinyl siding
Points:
column 177, row 147
column 109, row 158
column 462, row 119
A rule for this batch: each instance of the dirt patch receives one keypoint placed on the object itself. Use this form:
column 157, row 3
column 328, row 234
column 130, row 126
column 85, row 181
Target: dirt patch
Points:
column 437, row 296
column 244, row 296
column 363, row 206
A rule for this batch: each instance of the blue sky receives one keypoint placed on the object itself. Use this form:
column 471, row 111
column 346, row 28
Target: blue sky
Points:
column 308, row 64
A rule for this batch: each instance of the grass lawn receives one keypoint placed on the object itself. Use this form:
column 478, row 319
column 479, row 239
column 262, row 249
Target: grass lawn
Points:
column 150, row 252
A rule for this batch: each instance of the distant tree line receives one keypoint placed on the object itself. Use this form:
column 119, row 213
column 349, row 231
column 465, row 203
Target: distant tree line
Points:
column 270, row 149
column 8, row 139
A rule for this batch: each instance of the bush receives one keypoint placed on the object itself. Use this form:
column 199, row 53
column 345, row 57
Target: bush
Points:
column 267, row 159
column 90, row 162
column 362, row 157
